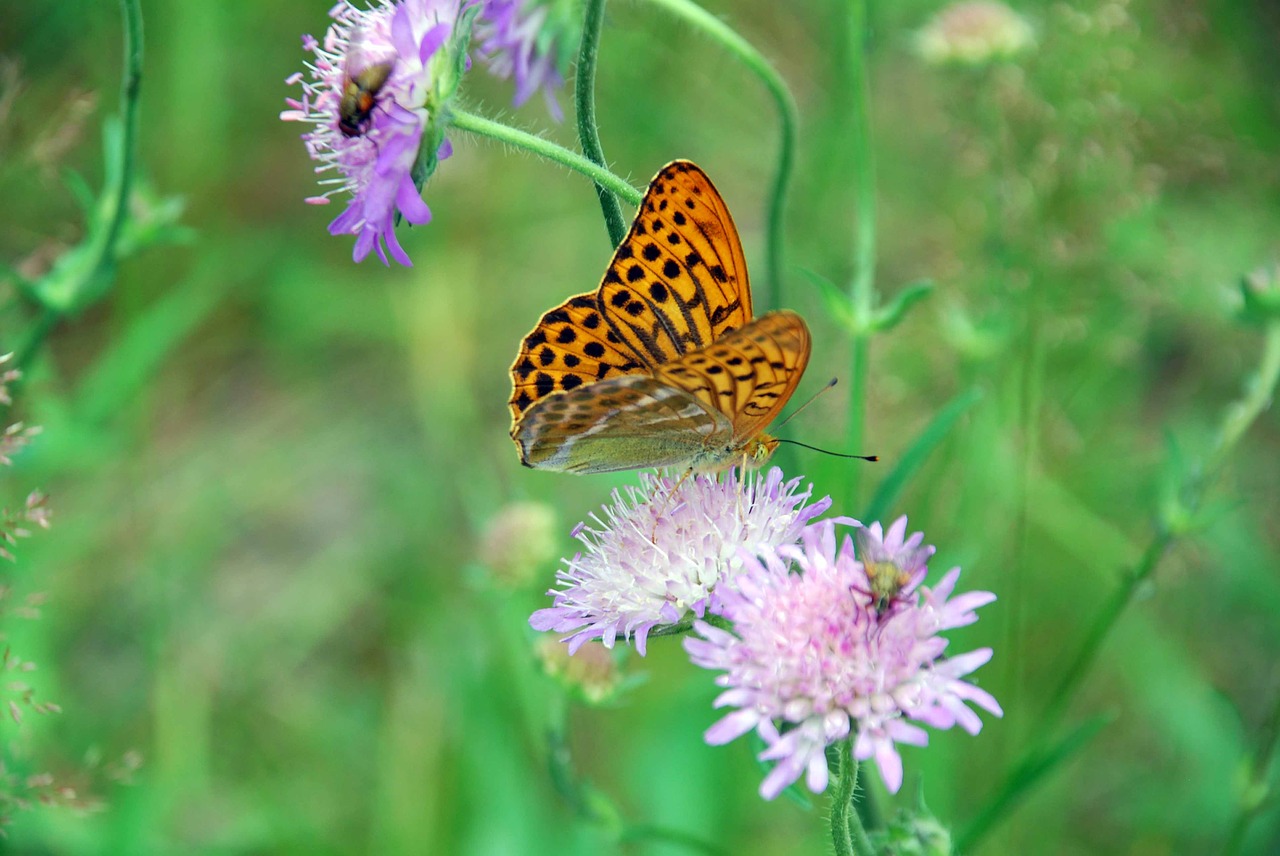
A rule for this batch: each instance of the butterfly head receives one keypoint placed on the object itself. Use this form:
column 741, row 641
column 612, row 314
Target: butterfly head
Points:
column 759, row 449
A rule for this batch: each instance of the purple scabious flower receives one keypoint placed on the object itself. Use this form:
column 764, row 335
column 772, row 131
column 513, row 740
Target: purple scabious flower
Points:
column 663, row 550
column 811, row 660
column 531, row 41
column 374, row 87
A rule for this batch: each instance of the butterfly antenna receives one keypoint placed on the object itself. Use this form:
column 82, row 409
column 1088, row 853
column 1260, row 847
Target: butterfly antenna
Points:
column 811, row 400
column 832, row 454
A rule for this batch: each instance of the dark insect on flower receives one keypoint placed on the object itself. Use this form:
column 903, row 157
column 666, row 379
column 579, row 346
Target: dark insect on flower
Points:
column 894, row 564
column 359, row 97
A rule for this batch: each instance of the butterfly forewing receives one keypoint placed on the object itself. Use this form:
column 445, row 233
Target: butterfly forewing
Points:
column 571, row 346
column 678, row 281
column 621, row 423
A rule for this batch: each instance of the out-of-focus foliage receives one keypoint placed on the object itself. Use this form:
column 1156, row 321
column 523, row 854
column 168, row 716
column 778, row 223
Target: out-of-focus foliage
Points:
column 274, row 470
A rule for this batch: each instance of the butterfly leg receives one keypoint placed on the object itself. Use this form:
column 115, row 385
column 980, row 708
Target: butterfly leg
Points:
column 653, row 536
column 742, row 485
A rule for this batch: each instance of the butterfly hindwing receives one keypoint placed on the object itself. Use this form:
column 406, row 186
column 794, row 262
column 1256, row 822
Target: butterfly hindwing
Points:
column 748, row 374
column 622, row 423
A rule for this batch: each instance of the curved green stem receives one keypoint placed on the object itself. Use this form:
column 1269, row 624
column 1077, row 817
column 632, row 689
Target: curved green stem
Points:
column 584, row 94
column 862, row 288
column 89, row 269
column 788, row 120
column 529, row 142
column 1242, row 413
column 129, row 89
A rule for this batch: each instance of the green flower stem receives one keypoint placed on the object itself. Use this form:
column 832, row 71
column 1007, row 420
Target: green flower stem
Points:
column 1238, row 418
column 848, row 836
column 788, row 120
column 862, row 288
column 584, row 94
column 524, row 140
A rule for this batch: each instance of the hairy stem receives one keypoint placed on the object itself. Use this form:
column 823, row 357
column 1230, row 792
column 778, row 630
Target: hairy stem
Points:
column 848, row 836
column 584, row 93
column 529, row 142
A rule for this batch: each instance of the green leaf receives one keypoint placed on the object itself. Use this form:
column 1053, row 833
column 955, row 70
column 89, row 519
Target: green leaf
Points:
column 1178, row 472
column 913, row 459
column 838, row 305
column 81, row 190
column 888, row 317
column 1026, row 776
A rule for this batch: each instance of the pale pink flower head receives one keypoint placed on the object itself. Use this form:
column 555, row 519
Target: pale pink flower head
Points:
column 374, row 98
column 974, row 32
column 811, row 660
column 665, row 549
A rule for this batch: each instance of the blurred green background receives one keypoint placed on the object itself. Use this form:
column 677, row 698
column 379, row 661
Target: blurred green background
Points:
column 271, row 469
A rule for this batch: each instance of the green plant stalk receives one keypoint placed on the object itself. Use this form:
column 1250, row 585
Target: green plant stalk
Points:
column 862, row 287
column 848, row 836
column 1238, row 418
column 1242, row 413
column 483, row 127
column 130, row 86
column 788, row 122
column 1254, row 797
column 584, row 95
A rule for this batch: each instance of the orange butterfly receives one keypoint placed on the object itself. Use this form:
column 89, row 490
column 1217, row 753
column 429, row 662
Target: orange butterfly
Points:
column 662, row 365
